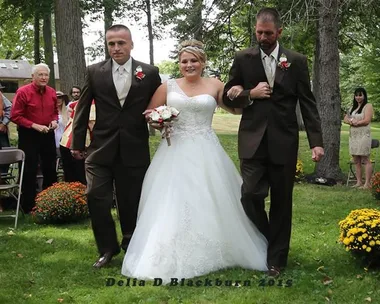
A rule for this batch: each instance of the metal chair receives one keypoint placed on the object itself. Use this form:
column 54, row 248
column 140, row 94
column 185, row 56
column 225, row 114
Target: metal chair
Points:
column 351, row 176
column 13, row 157
column 59, row 170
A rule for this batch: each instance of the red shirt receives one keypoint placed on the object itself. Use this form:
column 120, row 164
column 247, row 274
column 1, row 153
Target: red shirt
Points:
column 30, row 105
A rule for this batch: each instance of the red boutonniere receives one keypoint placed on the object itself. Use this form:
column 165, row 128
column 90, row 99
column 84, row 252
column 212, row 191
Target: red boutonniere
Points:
column 283, row 62
column 139, row 74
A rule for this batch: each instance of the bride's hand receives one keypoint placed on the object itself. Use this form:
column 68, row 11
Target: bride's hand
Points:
column 156, row 125
column 147, row 113
column 234, row 92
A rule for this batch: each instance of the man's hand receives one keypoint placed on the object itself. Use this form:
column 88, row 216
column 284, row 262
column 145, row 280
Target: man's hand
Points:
column 261, row 91
column 53, row 125
column 3, row 128
column 234, row 92
column 317, row 153
column 78, row 154
column 40, row 128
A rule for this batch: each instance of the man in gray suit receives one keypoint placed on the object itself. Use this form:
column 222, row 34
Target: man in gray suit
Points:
column 273, row 80
column 119, row 152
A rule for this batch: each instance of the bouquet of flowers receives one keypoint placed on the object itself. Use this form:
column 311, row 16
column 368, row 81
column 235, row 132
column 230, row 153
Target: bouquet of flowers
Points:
column 360, row 232
column 61, row 203
column 164, row 117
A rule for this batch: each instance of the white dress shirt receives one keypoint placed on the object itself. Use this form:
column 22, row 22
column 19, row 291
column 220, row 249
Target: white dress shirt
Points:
column 270, row 63
column 122, row 78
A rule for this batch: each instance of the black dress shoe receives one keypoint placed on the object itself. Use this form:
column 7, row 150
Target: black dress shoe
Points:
column 274, row 271
column 105, row 259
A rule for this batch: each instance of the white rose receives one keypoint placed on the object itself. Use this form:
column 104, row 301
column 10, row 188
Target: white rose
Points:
column 174, row 111
column 160, row 109
column 155, row 116
column 282, row 59
column 166, row 114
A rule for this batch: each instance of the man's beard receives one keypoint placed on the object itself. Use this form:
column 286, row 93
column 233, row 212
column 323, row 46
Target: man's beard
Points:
column 267, row 46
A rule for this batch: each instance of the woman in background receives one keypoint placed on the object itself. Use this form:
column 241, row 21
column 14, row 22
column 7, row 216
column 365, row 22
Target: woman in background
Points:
column 359, row 119
column 62, row 101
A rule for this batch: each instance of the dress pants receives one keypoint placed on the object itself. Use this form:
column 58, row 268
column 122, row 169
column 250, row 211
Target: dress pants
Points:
column 38, row 148
column 100, row 185
column 260, row 174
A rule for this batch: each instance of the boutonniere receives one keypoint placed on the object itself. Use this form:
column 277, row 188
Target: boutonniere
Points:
column 283, row 64
column 139, row 74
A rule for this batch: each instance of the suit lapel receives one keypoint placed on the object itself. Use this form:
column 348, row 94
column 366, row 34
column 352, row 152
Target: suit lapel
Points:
column 258, row 62
column 107, row 81
column 135, row 83
column 279, row 72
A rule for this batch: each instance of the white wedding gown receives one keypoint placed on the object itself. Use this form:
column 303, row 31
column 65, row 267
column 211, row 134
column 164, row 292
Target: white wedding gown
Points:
column 190, row 219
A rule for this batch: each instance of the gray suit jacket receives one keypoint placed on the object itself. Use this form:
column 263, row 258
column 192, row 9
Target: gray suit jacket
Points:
column 118, row 131
column 277, row 115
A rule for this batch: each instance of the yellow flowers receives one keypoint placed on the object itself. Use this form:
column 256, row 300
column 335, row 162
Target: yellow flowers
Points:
column 360, row 231
column 299, row 169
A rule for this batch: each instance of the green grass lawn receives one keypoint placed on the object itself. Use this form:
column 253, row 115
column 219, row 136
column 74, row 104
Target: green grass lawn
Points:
column 52, row 264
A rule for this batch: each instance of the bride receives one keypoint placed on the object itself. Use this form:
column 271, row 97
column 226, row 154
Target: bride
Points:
column 190, row 219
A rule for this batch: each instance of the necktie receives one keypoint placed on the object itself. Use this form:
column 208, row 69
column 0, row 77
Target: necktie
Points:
column 123, row 84
column 269, row 69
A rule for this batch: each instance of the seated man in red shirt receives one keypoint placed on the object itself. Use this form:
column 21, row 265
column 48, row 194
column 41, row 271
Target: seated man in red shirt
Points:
column 35, row 113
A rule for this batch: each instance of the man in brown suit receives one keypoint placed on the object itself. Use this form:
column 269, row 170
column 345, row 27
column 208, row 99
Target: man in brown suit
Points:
column 272, row 80
column 119, row 152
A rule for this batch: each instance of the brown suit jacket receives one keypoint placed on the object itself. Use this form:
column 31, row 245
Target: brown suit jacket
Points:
column 118, row 130
column 277, row 115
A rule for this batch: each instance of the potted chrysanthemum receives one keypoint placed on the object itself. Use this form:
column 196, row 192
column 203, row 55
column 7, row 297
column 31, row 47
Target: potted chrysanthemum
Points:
column 61, row 203
column 375, row 185
column 360, row 233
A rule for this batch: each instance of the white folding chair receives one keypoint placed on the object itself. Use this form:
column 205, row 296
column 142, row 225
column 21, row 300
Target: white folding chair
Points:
column 13, row 187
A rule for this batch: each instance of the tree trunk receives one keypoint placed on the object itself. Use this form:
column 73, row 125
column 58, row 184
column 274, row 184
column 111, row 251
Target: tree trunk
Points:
column 301, row 125
column 48, row 47
column 152, row 131
column 150, row 31
column 197, row 20
column 36, row 27
column 108, row 21
column 70, row 49
column 327, row 87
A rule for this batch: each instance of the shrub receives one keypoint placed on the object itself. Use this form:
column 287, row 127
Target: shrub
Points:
column 61, row 203
column 375, row 185
column 360, row 233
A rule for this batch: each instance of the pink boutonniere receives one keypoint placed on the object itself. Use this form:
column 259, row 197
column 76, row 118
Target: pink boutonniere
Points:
column 283, row 62
column 139, row 74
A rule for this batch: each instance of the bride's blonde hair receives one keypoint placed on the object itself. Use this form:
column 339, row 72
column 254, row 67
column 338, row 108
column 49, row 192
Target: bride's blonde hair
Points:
column 195, row 48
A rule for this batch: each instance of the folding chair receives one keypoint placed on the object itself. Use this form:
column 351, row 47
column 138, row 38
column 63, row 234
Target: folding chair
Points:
column 59, row 169
column 13, row 157
column 351, row 176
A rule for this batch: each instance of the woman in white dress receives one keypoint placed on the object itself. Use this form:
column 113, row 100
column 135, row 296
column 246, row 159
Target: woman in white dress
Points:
column 190, row 219
column 359, row 118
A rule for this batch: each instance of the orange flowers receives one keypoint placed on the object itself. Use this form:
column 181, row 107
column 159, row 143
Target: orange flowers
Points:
column 61, row 203
column 375, row 185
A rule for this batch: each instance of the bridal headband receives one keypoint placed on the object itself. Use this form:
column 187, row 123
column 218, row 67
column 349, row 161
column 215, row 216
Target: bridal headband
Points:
column 192, row 48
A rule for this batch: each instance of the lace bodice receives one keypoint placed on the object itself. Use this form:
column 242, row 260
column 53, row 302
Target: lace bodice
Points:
column 195, row 112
